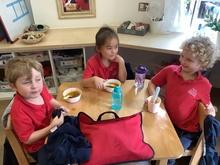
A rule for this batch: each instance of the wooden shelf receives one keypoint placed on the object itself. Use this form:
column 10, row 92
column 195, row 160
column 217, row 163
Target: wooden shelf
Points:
column 70, row 38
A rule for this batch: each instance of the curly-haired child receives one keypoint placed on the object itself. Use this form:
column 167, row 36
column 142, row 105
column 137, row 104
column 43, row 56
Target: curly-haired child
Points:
column 185, row 87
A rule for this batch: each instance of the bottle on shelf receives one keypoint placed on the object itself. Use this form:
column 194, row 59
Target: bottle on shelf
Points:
column 117, row 98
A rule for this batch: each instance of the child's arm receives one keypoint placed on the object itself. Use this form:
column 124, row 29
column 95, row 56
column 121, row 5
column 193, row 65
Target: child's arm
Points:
column 151, row 88
column 94, row 82
column 39, row 134
column 122, row 73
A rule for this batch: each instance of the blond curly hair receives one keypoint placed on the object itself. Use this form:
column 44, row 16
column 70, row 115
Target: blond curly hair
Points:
column 203, row 49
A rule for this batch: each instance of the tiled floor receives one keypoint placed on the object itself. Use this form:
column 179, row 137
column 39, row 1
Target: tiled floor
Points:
column 215, row 95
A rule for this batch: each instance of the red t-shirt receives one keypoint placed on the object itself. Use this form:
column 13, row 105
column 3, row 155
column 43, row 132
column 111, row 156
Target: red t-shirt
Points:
column 95, row 67
column 182, row 96
column 27, row 118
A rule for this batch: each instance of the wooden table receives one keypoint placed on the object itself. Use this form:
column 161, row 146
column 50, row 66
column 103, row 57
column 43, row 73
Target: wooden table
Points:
column 158, row 129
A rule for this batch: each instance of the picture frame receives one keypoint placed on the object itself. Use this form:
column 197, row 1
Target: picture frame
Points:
column 143, row 6
column 68, row 9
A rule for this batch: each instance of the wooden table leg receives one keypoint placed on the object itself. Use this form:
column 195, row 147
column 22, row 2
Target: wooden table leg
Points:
column 161, row 162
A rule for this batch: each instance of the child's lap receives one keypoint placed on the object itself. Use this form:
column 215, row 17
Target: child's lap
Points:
column 187, row 139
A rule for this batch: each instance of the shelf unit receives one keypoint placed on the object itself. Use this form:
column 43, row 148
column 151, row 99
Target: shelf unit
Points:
column 70, row 61
column 68, row 64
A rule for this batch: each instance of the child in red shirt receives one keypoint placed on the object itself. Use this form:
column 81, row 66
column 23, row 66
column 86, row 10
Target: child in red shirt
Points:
column 186, row 87
column 106, row 63
column 32, row 105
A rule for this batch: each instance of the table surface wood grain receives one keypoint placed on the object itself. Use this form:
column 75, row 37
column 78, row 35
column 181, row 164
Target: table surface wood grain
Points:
column 157, row 128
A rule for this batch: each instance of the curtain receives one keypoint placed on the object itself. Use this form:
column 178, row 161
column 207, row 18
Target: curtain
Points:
column 174, row 16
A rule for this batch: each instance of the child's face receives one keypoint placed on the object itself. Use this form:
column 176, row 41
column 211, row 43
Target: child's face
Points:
column 29, row 88
column 110, row 49
column 189, row 63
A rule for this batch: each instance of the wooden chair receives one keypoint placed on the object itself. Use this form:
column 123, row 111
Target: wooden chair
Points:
column 22, row 157
column 197, row 151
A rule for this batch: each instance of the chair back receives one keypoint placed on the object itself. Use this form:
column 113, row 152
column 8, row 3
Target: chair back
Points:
column 197, row 151
column 15, row 144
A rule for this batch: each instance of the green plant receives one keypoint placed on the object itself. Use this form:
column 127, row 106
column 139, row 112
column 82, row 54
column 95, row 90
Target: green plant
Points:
column 213, row 22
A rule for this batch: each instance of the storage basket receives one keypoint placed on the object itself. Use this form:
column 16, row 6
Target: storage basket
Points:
column 140, row 32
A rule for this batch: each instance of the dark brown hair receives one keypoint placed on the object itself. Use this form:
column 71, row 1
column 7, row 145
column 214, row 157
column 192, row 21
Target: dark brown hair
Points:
column 105, row 33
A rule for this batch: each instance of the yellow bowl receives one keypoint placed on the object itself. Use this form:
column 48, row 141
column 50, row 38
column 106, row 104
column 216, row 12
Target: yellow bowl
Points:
column 72, row 95
column 110, row 84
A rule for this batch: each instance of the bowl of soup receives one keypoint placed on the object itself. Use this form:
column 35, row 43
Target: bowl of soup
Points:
column 110, row 84
column 72, row 95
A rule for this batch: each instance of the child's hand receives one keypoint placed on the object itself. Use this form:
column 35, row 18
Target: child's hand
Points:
column 211, row 110
column 57, row 121
column 65, row 110
column 118, row 59
column 99, row 82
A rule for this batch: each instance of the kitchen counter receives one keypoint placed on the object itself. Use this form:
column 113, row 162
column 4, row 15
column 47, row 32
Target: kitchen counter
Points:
column 85, row 37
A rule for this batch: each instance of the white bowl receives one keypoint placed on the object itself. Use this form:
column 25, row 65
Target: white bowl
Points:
column 72, row 95
column 110, row 84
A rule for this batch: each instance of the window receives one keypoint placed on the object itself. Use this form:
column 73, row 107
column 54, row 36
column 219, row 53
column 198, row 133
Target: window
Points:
column 195, row 13
column 198, row 9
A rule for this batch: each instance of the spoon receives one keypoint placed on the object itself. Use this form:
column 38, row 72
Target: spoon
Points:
column 155, row 95
column 66, row 97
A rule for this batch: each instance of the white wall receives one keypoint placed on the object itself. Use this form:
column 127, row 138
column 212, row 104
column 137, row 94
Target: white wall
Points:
column 30, row 10
column 111, row 12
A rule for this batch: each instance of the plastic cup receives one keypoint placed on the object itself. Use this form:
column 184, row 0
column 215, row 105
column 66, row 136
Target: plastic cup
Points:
column 153, row 107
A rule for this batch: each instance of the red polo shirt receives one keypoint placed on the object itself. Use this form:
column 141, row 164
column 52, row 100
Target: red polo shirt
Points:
column 182, row 96
column 95, row 67
column 27, row 118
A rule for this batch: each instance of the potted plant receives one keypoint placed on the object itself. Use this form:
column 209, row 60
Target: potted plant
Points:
column 213, row 21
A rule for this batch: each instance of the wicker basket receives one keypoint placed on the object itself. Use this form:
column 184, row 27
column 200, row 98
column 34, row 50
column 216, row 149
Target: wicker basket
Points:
column 32, row 37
